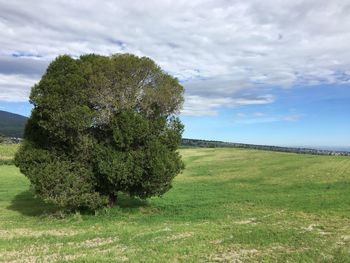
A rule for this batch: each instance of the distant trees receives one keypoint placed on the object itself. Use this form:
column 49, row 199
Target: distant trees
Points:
column 213, row 144
column 101, row 125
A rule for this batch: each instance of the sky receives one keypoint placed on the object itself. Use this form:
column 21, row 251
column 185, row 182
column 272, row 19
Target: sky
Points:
column 261, row 72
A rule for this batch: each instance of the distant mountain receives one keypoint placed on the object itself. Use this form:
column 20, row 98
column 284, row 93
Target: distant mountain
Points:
column 319, row 151
column 12, row 125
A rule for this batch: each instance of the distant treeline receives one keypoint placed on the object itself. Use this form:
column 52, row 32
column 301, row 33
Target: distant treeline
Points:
column 213, row 144
column 188, row 143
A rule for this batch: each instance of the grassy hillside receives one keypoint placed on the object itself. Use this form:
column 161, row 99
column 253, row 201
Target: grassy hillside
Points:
column 230, row 205
column 11, row 125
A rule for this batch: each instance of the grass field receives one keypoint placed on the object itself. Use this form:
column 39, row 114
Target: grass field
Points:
column 7, row 151
column 230, row 205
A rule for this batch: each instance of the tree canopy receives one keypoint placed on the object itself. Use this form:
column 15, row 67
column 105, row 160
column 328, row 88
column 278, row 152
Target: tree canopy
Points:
column 102, row 125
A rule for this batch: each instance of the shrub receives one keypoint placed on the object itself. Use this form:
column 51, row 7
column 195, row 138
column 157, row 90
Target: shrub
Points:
column 102, row 125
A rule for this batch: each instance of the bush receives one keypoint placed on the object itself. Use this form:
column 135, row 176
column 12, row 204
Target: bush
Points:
column 101, row 125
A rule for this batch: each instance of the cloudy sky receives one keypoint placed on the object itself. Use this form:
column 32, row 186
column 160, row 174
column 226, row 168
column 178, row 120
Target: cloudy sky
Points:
column 267, row 72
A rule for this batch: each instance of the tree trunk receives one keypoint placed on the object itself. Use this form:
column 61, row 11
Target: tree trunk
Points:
column 112, row 199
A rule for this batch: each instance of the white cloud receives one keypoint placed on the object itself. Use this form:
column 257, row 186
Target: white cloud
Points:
column 259, row 114
column 255, row 101
column 197, row 105
column 261, row 117
column 219, row 49
column 293, row 118
column 15, row 86
column 241, row 114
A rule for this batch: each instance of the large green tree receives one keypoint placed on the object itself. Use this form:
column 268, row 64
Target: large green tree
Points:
column 102, row 125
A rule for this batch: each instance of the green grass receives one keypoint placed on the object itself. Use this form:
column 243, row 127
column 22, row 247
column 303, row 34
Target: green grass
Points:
column 7, row 151
column 230, row 205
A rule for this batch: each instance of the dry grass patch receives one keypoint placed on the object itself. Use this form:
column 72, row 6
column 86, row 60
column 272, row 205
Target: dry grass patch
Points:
column 234, row 255
column 25, row 232
column 64, row 251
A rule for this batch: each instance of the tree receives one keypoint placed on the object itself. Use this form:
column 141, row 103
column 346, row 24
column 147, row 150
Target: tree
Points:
column 102, row 125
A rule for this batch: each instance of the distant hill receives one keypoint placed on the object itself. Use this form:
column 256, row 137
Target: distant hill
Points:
column 212, row 144
column 12, row 125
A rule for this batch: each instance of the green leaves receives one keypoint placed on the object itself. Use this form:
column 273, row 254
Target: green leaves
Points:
column 130, row 130
column 102, row 125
